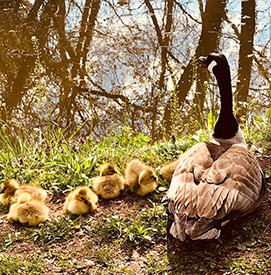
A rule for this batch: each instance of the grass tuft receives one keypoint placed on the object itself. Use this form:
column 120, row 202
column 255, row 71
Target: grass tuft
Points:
column 55, row 230
column 12, row 265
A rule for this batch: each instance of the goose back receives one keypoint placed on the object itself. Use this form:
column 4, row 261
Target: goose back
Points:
column 212, row 184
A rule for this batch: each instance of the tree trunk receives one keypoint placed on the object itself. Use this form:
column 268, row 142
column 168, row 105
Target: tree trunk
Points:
column 14, row 96
column 212, row 18
column 246, row 48
column 164, row 44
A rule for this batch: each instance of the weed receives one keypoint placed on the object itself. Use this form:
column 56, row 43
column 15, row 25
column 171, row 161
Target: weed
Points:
column 7, row 239
column 3, row 208
column 246, row 265
column 170, row 151
column 149, row 227
column 102, row 257
column 12, row 265
column 155, row 217
column 156, row 267
column 73, row 169
column 55, row 230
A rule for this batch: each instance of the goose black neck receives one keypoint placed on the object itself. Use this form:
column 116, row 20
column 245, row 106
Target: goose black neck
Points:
column 226, row 126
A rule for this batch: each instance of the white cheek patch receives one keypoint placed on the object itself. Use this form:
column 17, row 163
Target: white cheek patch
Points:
column 211, row 66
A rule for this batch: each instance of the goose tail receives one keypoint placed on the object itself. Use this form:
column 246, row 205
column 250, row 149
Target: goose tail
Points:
column 201, row 229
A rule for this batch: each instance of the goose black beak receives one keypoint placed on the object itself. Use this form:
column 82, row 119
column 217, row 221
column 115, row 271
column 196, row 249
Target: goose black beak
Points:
column 203, row 61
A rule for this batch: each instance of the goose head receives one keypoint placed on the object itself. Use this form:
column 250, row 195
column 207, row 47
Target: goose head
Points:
column 9, row 187
column 107, row 170
column 147, row 176
column 215, row 62
column 226, row 128
column 83, row 197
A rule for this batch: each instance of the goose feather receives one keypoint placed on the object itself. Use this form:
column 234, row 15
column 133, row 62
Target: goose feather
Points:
column 215, row 181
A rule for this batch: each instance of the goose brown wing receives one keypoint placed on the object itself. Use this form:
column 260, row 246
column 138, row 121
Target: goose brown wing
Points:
column 210, row 183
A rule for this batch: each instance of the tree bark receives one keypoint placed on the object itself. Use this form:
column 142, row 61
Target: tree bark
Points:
column 32, row 15
column 163, row 42
column 14, row 96
column 212, row 18
column 246, row 48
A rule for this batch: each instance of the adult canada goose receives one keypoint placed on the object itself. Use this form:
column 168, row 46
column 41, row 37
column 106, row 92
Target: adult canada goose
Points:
column 140, row 178
column 11, row 190
column 215, row 181
column 80, row 201
column 109, row 183
column 28, row 211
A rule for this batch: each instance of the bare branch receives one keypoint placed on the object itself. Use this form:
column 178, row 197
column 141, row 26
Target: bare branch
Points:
column 186, row 13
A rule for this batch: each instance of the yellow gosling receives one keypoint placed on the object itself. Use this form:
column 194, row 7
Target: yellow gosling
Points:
column 109, row 183
column 168, row 170
column 80, row 201
column 28, row 211
column 11, row 190
column 140, row 178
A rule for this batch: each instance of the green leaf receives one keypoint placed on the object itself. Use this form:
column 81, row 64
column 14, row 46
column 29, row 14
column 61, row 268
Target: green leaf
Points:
column 86, row 163
column 268, row 113
column 211, row 120
column 258, row 119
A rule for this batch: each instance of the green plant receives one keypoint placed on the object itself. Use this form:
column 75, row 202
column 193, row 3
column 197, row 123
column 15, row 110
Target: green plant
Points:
column 7, row 240
column 3, row 208
column 156, row 267
column 55, row 230
column 168, row 151
column 73, row 168
column 102, row 257
column 12, row 265
column 148, row 228
column 156, row 218
column 246, row 265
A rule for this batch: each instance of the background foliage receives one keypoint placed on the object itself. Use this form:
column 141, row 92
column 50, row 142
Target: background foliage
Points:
column 95, row 64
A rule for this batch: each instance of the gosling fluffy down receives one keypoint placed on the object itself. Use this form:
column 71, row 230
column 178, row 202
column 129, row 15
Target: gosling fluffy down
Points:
column 168, row 170
column 80, row 201
column 11, row 190
column 28, row 211
column 140, row 178
column 109, row 183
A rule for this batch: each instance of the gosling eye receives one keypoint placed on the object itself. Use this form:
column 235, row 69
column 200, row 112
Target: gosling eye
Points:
column 154, row 178
column 86, row 202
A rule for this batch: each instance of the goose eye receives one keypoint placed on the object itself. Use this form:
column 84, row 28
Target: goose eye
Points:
column 211, row 66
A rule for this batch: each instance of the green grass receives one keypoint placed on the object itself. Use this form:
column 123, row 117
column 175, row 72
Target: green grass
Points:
column 54, row 230
column 12, row 265
column 60, row 163
column 146, row 228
